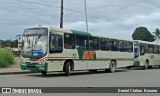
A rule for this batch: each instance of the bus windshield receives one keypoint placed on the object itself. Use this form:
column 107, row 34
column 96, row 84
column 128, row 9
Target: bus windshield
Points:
column 35, row 43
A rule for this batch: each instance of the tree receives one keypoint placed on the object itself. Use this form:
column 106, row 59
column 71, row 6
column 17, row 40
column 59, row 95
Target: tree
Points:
column 142, row 33
column 157, row 35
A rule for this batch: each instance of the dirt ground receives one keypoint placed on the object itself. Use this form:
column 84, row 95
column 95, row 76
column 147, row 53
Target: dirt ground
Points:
column 17, row 62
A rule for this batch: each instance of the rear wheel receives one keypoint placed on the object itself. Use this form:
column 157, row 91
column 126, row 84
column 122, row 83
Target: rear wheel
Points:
column 146, row 65
column 67, row 68
column 112, row 67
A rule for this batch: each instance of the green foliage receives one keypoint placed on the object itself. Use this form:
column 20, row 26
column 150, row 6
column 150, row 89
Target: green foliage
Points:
column 157, row 35
column 5, row 43
column 6, row 57
column 142, row 33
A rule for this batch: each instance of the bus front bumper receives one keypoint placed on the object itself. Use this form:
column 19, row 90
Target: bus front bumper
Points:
column 36, row 67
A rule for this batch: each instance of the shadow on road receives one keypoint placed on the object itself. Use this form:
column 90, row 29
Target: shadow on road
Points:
column 75, row 73
column 141, row 68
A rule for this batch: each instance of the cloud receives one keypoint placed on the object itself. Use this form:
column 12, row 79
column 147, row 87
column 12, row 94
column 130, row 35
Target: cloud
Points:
column 110, row 17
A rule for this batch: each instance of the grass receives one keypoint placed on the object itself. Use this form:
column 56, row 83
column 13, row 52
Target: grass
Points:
column 6, row 57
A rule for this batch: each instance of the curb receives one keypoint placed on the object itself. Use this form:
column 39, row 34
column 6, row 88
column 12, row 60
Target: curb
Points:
column 10, row 73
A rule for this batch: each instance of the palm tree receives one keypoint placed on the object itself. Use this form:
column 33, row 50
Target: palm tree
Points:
column 157, row 35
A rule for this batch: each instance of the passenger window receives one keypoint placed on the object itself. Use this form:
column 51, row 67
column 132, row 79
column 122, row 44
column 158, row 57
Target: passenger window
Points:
column 69, row 41
column 155, row 49
column 122, row 46
column 94, row 43
column 105, row 44
column 142, row 49
column 81, row 42
column 55, row 43
column 114, row 45
column 129, row 46
column 150, row 49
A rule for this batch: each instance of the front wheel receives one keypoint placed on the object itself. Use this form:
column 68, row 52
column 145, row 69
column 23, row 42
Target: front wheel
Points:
column 112, row 67
column 67, row 68
column 146, row 65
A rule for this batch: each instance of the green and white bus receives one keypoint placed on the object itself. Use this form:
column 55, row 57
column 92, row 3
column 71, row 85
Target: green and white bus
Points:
column 47, row 49
column 147, row 54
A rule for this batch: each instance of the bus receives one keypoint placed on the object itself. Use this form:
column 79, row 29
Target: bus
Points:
column 47, row 49
column 147, row 54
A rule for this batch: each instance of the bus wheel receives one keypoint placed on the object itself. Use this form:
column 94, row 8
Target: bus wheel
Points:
column 67, row 68
column 44, row 73
column 112, row 67
column 146, row 65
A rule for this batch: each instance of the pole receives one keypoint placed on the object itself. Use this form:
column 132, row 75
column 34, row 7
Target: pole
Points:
column 61, row 17
column 85, row 5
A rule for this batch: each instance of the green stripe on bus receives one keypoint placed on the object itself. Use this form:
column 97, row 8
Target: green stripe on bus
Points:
column 81, row 33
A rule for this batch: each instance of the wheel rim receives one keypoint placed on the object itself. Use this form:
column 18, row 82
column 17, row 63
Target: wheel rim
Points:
column 146, row 65
column 113, row 65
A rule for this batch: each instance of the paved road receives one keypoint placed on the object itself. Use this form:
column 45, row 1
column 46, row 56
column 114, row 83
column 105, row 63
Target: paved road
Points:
column 122, row 78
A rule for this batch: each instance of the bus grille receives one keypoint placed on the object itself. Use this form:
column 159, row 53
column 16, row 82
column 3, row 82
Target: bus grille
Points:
column 31, row 66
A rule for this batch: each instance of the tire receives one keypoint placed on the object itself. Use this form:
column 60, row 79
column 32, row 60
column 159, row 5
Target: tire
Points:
column 112, row 67
column 44, row 73
column 67, row 68
column 146, row 65
column 159, row 66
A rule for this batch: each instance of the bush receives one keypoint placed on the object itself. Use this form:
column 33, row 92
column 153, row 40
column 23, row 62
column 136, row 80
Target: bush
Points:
column 6, row 57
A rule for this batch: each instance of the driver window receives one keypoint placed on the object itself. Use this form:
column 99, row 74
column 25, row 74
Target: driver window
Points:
column 55, row 44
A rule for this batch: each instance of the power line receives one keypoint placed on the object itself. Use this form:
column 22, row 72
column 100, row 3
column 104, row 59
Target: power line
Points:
column 73, row 11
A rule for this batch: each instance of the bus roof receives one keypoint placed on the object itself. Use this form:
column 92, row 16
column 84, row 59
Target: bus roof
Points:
column 140, row 41
column 77, row 32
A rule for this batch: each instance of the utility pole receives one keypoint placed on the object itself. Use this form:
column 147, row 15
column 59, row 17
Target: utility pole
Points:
column 61, row 17
column 85, row 5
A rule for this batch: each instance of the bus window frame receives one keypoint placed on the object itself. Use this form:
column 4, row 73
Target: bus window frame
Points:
column 51, row 51
column 74, row 42
column 93, row 38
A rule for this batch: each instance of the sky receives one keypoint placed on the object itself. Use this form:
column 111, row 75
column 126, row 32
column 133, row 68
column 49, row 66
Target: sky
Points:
column 109, row 17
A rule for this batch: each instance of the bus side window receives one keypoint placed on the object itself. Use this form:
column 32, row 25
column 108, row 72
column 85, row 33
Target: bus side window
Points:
column 150, row 48
column 55, row 44
column 156, row 49
column 105, row 44
column 159, row 49
column 94, row 43
column 81, row 42
column 114, row 45
column 122, row 46
column 69, row 41
column 129, row 46
column 142, row 49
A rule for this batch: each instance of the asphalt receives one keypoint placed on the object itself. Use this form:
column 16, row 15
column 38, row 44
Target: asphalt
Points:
column 121, row 78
